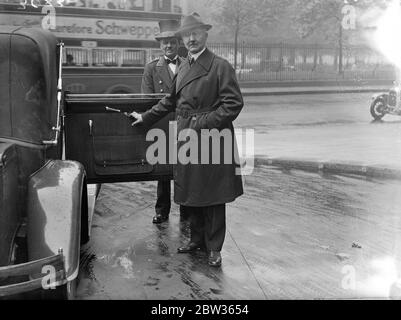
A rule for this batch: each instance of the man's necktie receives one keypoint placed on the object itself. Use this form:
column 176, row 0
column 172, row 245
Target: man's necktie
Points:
column 174, row 61
column 191, row 60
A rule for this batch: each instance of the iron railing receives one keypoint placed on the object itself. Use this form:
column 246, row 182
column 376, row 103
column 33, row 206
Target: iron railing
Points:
column 282, row 62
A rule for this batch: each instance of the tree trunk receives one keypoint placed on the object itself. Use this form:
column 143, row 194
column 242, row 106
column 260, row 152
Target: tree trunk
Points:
column 340, row 53
column 235, row 48
column 315, row 58
column 242, row 60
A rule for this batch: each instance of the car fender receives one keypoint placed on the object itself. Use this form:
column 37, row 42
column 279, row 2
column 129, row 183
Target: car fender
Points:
column 55, row 206
column 380, row 95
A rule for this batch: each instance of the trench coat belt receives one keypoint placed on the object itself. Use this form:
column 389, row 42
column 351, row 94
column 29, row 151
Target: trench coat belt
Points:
column 189, row 113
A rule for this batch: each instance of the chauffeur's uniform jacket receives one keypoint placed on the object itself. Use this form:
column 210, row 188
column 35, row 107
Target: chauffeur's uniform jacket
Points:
column 158, row 77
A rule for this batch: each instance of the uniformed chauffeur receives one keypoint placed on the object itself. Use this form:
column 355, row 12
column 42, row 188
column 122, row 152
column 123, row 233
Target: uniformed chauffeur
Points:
column 158, row 78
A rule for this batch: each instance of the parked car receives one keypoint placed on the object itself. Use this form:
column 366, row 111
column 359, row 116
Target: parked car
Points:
column 43, row 199
column 44, row 214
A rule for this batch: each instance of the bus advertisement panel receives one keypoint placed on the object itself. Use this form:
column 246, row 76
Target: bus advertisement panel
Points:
column 107, row 42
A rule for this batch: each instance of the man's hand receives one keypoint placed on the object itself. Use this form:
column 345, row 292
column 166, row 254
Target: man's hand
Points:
column 137, row 117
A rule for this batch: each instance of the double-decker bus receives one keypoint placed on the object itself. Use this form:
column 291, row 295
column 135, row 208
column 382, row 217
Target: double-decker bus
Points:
column 107, row 42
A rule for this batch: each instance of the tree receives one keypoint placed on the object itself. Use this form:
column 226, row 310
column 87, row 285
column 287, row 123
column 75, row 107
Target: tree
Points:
column 328, row 18
column 242, row 17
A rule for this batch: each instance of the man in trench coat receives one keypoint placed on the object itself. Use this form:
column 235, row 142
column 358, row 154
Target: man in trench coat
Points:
column 205, row 96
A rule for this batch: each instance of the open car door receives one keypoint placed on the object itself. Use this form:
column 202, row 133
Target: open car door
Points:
column 99, row 135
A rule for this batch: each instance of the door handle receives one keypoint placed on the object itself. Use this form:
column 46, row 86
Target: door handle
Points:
column 57, row 128
column 90, row 123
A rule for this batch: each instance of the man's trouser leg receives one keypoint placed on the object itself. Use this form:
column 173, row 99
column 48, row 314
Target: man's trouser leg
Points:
column 184, row 213
column 163, row 202
column 214, row 226
column 208, row 226
column 196, row 220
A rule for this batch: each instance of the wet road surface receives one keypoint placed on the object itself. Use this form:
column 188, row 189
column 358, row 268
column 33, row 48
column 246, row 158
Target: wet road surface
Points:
column 326, row 127
column 293, row 235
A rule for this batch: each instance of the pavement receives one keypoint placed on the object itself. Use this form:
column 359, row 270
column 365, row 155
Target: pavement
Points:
column 321, row 166
column 368, row 150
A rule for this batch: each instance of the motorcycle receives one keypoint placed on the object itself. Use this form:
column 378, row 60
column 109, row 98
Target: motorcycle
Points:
column 386, row 103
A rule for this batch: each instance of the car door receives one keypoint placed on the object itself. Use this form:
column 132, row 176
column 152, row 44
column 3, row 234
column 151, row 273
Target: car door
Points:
column 99, row 135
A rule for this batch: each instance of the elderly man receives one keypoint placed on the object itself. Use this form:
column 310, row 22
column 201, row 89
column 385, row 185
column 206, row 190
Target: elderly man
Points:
column 205, row 96
column 158, row 78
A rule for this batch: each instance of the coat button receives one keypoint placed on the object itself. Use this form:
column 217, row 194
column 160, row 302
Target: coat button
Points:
column 161, row 90
column 160, row 81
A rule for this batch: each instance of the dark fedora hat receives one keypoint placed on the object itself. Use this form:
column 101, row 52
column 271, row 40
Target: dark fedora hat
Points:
column 192, row 21
column 168, row 29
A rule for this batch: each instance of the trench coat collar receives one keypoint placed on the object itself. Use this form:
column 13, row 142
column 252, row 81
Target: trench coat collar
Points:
column 201, row 67
column 162, row 69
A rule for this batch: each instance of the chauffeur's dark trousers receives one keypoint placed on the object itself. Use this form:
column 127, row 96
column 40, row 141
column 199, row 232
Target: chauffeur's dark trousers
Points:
column 163, row 203
column 208, row 226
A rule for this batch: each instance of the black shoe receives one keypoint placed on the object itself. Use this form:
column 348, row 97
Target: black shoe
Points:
column 190, row 247
column 214, row 259
column 159, row 218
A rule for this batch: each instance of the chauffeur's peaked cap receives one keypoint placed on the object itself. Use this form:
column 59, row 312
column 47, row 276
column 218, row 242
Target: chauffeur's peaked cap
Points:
column 168, row 29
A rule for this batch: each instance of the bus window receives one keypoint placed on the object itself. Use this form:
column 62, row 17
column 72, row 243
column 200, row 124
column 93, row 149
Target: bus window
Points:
column 116, row 4
column 162, row 5
column 74, row 3
column 105, row 57
column 75, row 57
column 133, row 58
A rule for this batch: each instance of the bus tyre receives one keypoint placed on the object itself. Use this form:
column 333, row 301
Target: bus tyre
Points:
column 70, row 290
column 119, row 89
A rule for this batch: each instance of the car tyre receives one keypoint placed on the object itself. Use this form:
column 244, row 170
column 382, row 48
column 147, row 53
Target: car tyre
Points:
column 66, row 291
column 377, row 108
